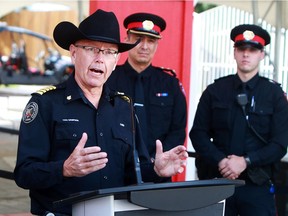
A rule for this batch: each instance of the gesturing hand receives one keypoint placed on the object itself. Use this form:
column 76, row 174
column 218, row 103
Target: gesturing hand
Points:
column 83, row 161
column 171, row 162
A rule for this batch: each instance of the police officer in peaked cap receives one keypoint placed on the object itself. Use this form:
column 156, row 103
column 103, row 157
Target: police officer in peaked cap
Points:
column 161, row 107
column 240, row 127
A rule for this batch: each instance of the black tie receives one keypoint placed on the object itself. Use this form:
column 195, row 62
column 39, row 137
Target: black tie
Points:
column 240, row 126
column 140, row 107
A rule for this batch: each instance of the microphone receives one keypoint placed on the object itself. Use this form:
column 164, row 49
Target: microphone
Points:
column 136, row 159
column 242, row 100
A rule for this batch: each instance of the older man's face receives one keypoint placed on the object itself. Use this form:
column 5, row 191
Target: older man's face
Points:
column 94, row 62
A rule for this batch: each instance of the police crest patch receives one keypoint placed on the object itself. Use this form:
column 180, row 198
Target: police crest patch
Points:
column 30, row 112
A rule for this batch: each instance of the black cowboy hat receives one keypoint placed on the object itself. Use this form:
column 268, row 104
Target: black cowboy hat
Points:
column 100, row 26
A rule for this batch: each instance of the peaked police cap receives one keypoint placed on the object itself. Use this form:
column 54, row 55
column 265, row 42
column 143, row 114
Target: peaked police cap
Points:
column 250, row 35
column 145, row 24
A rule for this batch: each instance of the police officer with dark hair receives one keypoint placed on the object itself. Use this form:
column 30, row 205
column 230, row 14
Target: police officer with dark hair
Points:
column 157, row 94
column 78, row 135
column 240, row 127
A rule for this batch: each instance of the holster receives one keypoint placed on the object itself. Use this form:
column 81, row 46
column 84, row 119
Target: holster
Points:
column 258, row 175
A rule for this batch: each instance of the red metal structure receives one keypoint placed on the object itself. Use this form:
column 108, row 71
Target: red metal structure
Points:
column 175, row 47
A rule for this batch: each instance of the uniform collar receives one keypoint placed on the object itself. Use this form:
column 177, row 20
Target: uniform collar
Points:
column 74, row 92
column 250, row 84
column 130, row 70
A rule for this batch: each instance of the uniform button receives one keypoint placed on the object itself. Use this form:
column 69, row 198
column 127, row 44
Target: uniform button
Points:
column 101, row 134
column 105, row 177
column 162, row 104
column 74, row 135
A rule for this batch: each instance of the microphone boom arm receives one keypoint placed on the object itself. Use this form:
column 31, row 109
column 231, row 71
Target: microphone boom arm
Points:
column 136, row 159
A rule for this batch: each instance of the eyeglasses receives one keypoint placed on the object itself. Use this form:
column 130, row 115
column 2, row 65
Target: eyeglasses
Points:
column 92, row 51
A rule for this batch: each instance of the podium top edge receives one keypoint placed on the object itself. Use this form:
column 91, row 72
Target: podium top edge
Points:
column 85, row 195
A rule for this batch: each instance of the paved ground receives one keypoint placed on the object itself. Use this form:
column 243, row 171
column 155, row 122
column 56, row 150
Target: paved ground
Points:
column 13, row 200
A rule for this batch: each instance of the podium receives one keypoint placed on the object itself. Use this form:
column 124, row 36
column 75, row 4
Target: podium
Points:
column 199, row 197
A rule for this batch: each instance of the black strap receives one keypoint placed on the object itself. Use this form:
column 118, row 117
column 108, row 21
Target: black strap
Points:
column 239, row 125
column 139, row 104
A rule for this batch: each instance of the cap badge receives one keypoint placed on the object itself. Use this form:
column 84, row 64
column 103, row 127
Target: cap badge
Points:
column 248, row 35
column 148, row 24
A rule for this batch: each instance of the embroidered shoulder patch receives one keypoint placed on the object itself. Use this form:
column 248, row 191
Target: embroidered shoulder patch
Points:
column 46, row 89
column 30, row 112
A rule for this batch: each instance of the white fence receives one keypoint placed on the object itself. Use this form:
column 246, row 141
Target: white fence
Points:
column 214, row 49
column 212, row 55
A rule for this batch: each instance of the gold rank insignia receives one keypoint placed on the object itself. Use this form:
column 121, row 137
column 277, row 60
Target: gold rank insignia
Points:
column 46, row 89
column 127, row 99
column 123, row 96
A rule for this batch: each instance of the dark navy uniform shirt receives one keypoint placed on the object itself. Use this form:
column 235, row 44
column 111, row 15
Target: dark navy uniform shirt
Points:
column 52, row 125
column 220, row 128
column 165, row 103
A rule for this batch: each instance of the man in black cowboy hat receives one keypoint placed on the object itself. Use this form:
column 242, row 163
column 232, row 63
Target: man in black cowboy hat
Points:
column 76, row 136
column 158, row 98
column 240, row 127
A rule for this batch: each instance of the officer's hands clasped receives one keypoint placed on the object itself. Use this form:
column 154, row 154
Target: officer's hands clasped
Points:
column 232, row 166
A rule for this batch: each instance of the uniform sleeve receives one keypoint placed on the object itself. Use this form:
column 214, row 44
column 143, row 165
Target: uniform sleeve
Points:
column 33, row 170
column 200, row 134
column 177, row 132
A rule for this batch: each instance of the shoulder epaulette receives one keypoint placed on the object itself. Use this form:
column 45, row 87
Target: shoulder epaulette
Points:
column 123, row 96
column 46, row 89
column 168, row 70
column 270, row 80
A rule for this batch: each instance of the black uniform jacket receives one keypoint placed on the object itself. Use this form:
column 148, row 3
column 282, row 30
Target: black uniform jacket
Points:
column 216, row 132
column 52, row 125
column 165, row 103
